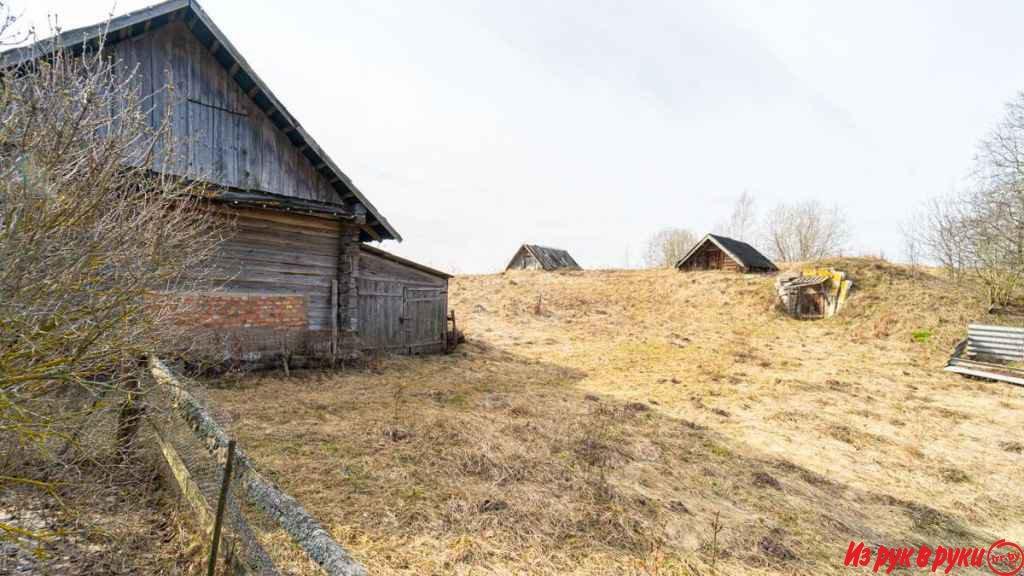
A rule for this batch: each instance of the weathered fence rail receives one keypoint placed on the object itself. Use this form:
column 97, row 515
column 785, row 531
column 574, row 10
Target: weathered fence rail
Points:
column 251, row 488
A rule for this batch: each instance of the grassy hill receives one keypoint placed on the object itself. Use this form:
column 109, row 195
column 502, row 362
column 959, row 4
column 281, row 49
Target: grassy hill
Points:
column 652, row 422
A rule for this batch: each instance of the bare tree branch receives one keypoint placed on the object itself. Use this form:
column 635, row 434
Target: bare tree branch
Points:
column 805, row 231
column 667, row 246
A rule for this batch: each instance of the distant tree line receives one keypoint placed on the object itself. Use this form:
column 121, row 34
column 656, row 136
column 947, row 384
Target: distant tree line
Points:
column 790, row 232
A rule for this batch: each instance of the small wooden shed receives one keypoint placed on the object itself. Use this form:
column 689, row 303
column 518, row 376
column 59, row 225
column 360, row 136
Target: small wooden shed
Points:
column 534, row 257
column 403, row 305
column 714, row 252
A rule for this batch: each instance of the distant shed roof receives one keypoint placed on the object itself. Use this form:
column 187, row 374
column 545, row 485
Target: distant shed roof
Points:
column 549, row 258
column 744, row 254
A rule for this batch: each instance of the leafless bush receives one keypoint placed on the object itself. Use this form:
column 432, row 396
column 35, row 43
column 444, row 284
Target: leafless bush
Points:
column 90, row 238
column 805, row 231
column 667, row 246
column 980, row 231
column 940, row 233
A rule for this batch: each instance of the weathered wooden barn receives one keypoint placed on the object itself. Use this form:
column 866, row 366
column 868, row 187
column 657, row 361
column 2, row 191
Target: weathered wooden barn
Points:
column 714, row 252
column 533, row 257
column 297, row 267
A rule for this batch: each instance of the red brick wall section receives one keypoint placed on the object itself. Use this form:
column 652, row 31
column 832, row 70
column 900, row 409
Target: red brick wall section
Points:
column 233, row 310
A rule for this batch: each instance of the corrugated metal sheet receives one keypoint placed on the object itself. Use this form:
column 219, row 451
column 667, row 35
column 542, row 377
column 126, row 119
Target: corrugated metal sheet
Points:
column 803, row 282
column 999, row 342
column 983, row 353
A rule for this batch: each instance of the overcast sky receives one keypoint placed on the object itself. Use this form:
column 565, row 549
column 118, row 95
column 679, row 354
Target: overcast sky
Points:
column 477, row 126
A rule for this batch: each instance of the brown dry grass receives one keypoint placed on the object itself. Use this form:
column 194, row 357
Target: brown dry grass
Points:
column 605, row 431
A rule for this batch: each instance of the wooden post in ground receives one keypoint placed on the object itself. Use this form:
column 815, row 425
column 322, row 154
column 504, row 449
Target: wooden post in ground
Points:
column 218, row 521
column 334, row 322
column 129, row 417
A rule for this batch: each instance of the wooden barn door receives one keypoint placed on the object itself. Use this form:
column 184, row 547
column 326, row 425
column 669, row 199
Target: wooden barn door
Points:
column 396, row 317
column 381, row 304
column 424, row 319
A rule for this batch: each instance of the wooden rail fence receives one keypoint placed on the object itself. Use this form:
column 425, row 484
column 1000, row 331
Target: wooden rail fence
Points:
column 249, row 488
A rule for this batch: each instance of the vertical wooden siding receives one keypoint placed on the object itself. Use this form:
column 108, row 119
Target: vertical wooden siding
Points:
column 401, row 309
column 226, row 138
column 523, row 260
column 710, row 257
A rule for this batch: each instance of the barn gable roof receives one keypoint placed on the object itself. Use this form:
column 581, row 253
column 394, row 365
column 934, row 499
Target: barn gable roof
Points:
column 549, row 258
column 189, row 12
column 744, row 254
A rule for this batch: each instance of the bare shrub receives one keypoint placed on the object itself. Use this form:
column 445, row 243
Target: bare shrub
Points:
column 667, row 246
column 940, row 233
column 92, row 240
column 995, row 208
column 805, row 231
column 980, row 231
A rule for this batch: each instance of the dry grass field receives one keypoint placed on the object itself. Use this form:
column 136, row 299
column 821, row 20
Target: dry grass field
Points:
column 651, row 422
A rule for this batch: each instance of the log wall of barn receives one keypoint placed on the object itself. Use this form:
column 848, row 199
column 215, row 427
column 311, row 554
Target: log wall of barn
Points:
column 282, row 254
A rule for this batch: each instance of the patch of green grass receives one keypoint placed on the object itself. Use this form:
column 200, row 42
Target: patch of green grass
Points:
column 458, row 399
column 718, row 449
column 921, row 336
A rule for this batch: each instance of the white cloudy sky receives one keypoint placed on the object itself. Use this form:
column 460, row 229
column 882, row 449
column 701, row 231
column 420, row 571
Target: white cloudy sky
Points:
column 476, row 126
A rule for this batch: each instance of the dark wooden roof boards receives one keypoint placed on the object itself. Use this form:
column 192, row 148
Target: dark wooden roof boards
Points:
column 188, row 11
column 548, row 258
column 742, row 253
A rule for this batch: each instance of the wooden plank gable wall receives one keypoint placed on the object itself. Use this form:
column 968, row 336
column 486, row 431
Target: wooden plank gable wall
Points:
column 401, row 309
column 226, row 139
column 711, row 257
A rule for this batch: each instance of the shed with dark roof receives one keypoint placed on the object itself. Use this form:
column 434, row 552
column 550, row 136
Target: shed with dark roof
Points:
column 533, row 257
column 714, row 252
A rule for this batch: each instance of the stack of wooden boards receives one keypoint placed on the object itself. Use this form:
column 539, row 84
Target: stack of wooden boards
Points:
column 813, row 293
